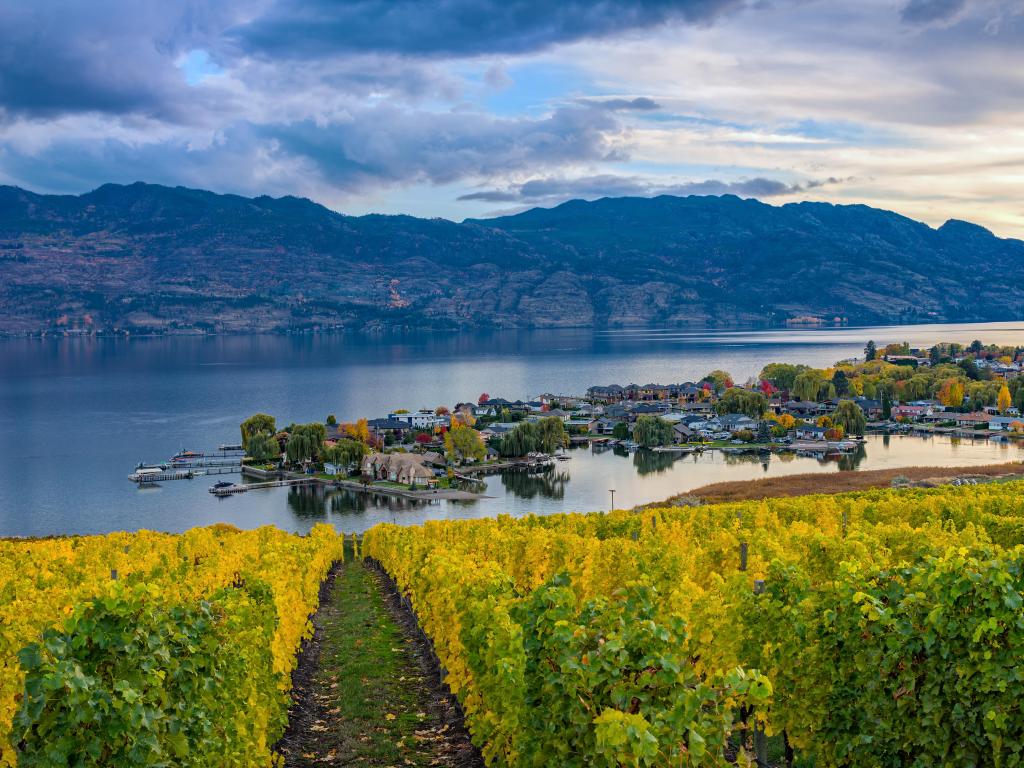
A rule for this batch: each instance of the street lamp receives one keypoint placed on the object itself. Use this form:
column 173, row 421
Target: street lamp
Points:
column 612, row 492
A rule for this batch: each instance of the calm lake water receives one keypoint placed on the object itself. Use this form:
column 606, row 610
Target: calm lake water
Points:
column 76, row 415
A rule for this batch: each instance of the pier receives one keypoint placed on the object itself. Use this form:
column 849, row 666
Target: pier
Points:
column 243, row 487
column 182, row 473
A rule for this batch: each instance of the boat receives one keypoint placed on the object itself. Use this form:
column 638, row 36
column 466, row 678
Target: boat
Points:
column 230, row 448
column 219, row 487
column 143, row 465
column 146, row 475
column 184, row 455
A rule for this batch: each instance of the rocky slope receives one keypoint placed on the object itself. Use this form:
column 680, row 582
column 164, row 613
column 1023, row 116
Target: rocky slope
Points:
column 145, row 257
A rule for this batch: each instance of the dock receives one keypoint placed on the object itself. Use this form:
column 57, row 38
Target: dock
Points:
column 243, row 487
column 183, row 473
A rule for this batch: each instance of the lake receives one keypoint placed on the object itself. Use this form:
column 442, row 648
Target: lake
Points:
column 77, row 414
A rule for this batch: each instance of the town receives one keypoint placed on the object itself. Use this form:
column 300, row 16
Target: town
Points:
column 974, row 391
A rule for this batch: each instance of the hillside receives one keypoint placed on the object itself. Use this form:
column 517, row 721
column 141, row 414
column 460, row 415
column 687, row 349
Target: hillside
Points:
column 151, row 258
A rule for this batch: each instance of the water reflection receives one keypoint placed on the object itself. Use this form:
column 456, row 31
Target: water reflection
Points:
column 548, row 483
column 653, row 462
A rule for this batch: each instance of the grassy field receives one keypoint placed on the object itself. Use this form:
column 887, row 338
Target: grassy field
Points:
column 839, row 482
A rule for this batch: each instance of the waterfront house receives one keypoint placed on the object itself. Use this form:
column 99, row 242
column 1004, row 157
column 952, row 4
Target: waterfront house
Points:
column 403, row 468
column 911, row 412
column 970, row 420
column 683, row 433
column 604, row 426
column 810, row 433
column 737, row 422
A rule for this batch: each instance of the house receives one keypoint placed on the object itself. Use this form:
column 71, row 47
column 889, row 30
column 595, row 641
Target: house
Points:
column 737, row 422
column 422, row 419
column 403, row 468
column 970, row 420
column 612, row 393
column 384, row 427
column 604, row 426
column 872, row 408
column 810, row 433
column 803, row 408
column 1003, row 423
column 911, row 412
column 683, row 433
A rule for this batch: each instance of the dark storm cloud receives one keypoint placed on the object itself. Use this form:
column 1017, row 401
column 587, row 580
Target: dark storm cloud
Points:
column 109, row 56
column 607, row 185
column 454, row 28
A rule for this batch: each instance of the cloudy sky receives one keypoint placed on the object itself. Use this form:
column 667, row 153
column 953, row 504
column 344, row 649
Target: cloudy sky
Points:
column 461, row 108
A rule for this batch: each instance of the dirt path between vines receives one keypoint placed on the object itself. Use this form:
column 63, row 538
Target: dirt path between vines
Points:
column 366, row 692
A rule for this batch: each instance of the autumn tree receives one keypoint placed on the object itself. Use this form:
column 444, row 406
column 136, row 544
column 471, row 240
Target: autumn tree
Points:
column 781, row 375
column 719, row 381
column 1003, row 399
column 951, row 393
column 359, row 430
column 462, row 443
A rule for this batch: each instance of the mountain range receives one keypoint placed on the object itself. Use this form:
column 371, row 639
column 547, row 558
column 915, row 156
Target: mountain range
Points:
column 149, row 258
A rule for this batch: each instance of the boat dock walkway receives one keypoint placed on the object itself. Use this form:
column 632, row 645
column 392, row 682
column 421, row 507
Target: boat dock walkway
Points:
column 228, row 490
column 173, row 473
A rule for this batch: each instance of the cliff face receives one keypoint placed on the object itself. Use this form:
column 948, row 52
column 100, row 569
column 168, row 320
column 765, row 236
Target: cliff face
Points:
column 146, row 257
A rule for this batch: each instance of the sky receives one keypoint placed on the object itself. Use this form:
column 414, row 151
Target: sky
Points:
column 472, row 108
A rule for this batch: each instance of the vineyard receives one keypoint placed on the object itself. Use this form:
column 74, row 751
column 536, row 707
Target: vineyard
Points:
column 881, row 628
column 154, row 649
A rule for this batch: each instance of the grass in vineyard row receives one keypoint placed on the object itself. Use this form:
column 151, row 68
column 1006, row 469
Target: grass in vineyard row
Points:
column 881, row 628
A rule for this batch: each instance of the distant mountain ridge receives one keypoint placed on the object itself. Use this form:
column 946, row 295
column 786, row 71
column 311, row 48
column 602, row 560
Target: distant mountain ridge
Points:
column 145, row 257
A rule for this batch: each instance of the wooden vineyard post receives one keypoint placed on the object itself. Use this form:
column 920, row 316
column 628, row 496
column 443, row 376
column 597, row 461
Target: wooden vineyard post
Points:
column 760, row 739
column 743, row 556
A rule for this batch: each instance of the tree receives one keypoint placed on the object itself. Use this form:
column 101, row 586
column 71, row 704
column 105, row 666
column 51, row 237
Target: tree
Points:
column 782, row 375
column 850, row 418
column 441, row 410
column 621, row 431
column 264, row 448
column 544, row 436
column 951, row 393
column 305, row 442
column 810, row 385
column 332, row 420
column 484, row 397
column 719, row 381
column 870, row 351
column 258, row 423
column 345, row 453
column 1003, row 399
column 650, row 431
column 886, row 404
column 462, row 443
column 360, row 430
column 841, row 383
column 736, row 400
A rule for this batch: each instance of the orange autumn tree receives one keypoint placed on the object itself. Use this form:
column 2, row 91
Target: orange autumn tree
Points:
column 951, row 393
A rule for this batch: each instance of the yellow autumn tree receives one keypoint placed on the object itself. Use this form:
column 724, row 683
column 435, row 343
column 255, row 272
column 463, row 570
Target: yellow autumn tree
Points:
column 1003, row 399
column 360, row 431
